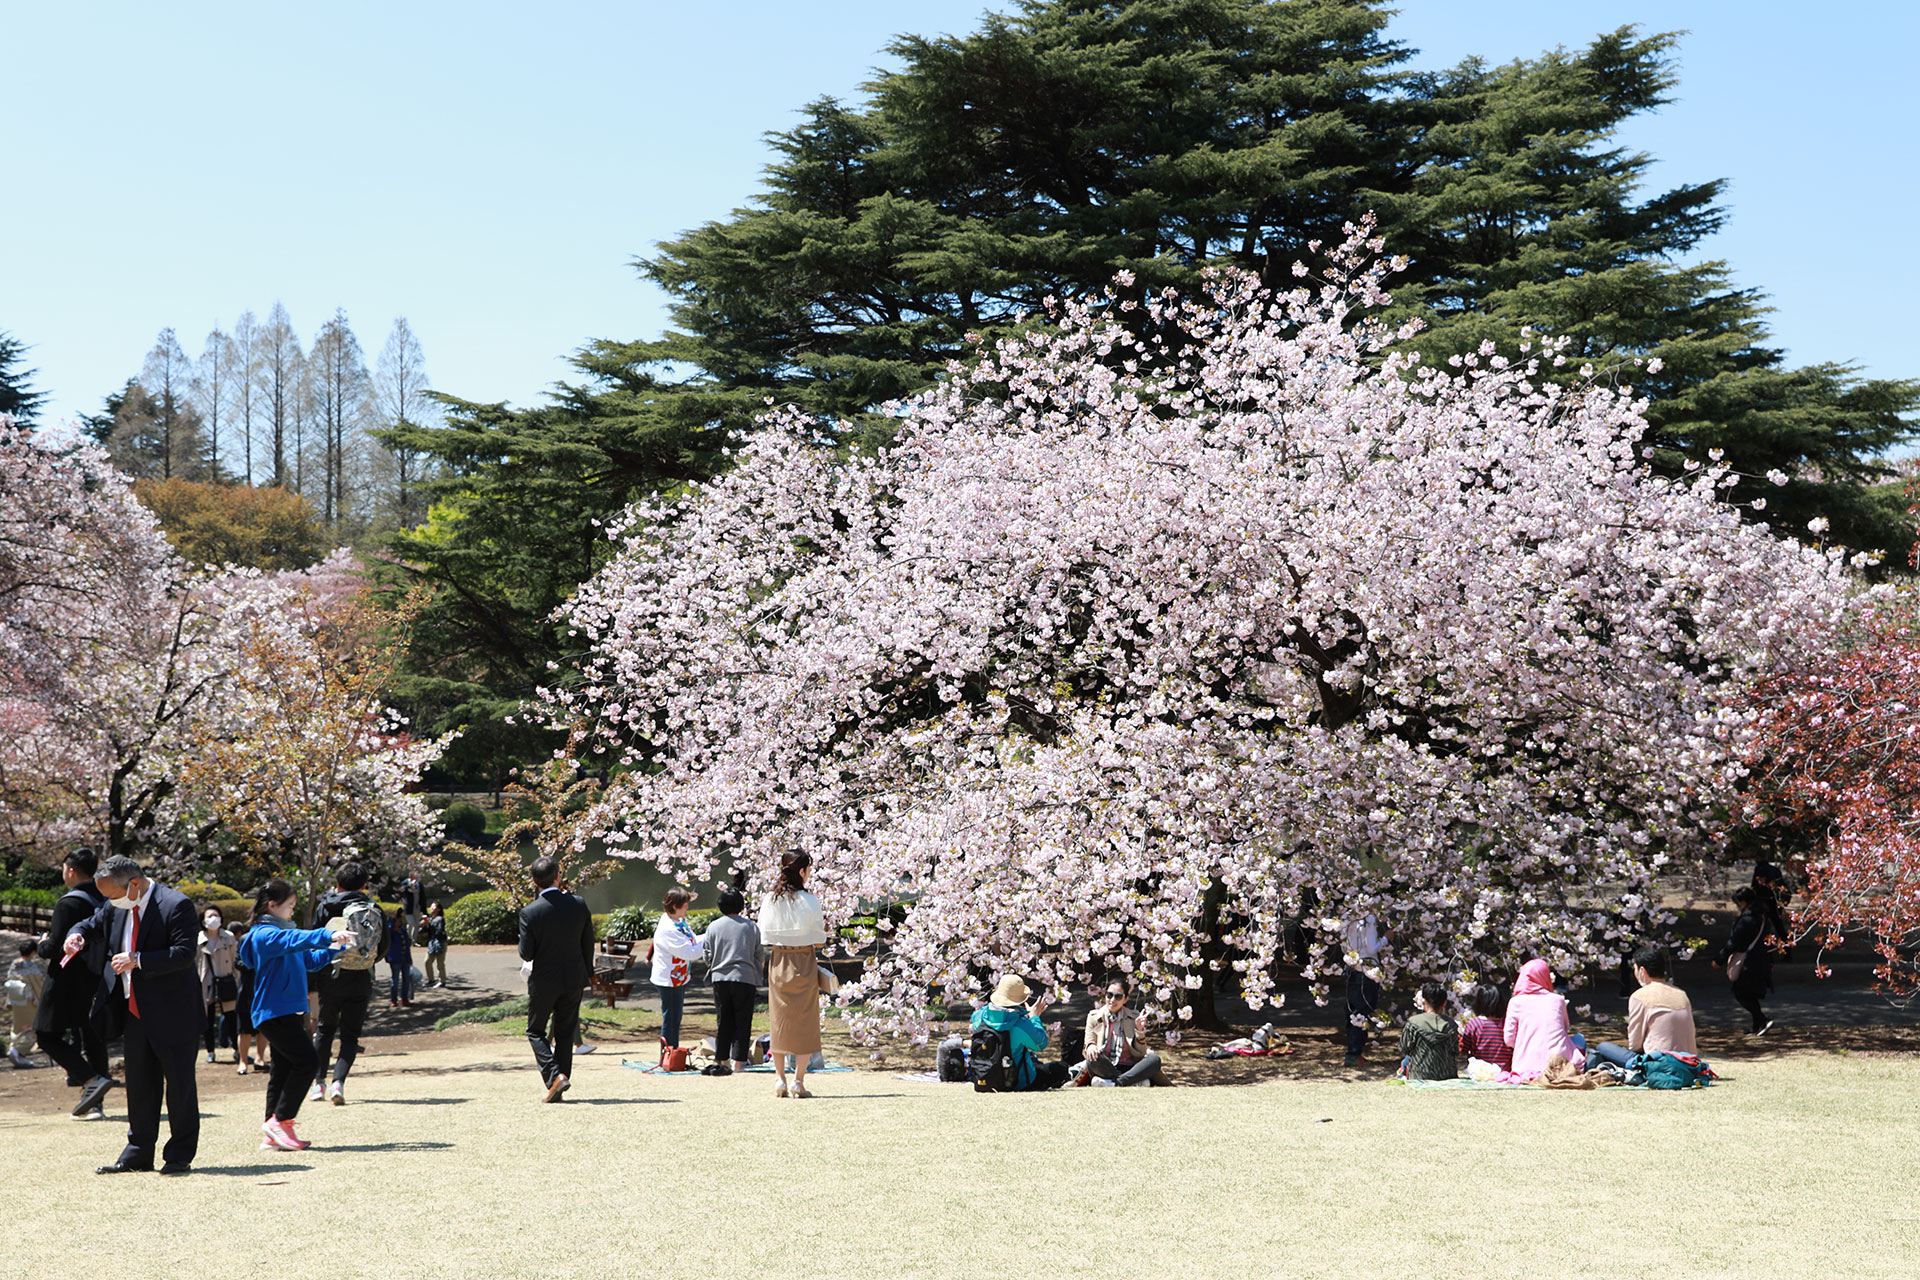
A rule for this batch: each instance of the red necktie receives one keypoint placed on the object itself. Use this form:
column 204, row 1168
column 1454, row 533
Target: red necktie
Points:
column 133, row 942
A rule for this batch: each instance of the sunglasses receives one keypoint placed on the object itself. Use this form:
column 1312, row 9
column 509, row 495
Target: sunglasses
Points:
column 1116, row 995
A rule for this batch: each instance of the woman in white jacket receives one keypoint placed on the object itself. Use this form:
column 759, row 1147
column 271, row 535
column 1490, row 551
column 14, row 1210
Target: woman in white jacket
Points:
column 791, row 924
column 675, row 948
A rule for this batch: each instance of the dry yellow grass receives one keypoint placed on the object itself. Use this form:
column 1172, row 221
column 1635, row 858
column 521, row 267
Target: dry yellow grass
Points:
column 446, row 1165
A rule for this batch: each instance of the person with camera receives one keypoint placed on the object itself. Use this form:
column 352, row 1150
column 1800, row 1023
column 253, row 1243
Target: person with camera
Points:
column 1017, row 1019
column 1113, row 1047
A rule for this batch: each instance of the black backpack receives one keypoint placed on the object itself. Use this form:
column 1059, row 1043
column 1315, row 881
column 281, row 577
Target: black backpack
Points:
column 990, row 1061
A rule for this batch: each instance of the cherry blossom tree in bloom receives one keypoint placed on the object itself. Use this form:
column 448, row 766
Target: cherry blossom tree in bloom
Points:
column 108, row 658
column 1837, row 760
column 1182, row 619
column 122, row 674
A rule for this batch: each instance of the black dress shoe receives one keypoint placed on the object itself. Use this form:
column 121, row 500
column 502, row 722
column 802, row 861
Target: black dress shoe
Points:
column 119, row 1167
column 171, row 1169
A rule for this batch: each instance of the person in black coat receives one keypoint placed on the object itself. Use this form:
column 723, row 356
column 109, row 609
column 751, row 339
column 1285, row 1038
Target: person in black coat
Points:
column 65, row 1022
column 1752, row 939
column 149, row 993
column 345, row 994
column 556, row 948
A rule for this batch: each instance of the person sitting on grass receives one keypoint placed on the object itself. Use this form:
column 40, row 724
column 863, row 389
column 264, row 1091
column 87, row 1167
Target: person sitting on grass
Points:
column 1537, row 1028
column 1481, row 1036
column 1113, row 1047
column 1659, row 1015
column 1430, row 1042
column 1008, row 1013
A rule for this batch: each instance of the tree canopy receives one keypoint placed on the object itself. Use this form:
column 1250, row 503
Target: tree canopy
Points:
column 1073, row 139
column 18, row 399
column 1119, row 662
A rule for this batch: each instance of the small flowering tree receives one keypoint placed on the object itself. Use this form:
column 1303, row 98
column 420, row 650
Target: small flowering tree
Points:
column 546, row 804
column 141, row 701
column 111, row 658
column 313, row 769
column 1184, row 619
column 1837, row 759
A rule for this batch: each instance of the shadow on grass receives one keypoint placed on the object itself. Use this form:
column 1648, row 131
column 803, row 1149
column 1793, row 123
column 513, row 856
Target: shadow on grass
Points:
column 386, row 1146
column 248, row 1171
column 408, row 1102
column 614, row 1102
column 848, row 1097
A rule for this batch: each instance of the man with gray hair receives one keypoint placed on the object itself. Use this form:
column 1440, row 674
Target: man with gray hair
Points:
column 149, row 994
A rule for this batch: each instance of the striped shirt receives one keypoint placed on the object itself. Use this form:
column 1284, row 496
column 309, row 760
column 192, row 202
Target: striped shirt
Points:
column 1482, row 1038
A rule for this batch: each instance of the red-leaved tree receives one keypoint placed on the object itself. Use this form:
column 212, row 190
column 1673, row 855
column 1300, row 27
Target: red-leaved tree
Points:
column 1838, row 757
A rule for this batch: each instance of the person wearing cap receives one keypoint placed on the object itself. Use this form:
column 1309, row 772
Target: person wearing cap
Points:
column 1009, row 1013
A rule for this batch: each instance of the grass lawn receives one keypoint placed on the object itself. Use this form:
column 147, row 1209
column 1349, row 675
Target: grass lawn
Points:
column 445, row 1165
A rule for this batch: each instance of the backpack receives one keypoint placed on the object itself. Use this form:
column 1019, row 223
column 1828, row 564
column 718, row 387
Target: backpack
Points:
column 368, row 926
column 950, row 1060
column 94, row 954
column 1668, row 1070
column 990, row 1061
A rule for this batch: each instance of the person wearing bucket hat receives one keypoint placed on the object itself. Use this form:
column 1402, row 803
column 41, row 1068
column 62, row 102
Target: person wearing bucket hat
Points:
column 1009, row 1013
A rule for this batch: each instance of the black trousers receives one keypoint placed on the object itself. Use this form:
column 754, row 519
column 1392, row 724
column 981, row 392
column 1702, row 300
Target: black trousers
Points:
column 78, row 1047
column 1363, row 997
column 562, row 1009
column 344, row 996
column 734, row 1001
column 157, row 1072
column 294, row 1061
column 218, row 1033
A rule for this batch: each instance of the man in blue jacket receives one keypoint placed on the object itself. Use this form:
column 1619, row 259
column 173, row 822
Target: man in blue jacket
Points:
column 1008, row 1013
column 149, row 994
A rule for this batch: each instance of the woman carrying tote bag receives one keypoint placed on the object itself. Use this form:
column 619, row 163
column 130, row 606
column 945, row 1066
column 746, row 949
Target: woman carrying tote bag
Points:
column 792, row 926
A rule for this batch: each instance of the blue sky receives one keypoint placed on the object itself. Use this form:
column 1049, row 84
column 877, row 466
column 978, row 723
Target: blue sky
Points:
column 490, row 170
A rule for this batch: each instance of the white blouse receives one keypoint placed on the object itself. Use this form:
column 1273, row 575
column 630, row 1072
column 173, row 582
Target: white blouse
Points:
column 792, row 922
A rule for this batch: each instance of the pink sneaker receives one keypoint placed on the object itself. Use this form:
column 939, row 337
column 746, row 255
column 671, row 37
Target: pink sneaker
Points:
column 281, row 1135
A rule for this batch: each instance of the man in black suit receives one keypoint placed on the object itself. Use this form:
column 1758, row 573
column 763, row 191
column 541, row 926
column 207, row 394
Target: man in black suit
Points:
column 65, row 1022
column 556, row 942
column 149, row 993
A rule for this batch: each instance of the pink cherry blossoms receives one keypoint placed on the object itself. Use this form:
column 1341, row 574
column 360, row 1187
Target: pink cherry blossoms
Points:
column 1133, row 650
column 122, row 674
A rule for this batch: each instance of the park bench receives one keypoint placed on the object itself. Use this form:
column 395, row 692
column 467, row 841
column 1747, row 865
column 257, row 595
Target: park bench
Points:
column 615, row 957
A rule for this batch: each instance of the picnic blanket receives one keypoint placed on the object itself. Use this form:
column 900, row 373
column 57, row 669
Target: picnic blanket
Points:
column 1461, row 1082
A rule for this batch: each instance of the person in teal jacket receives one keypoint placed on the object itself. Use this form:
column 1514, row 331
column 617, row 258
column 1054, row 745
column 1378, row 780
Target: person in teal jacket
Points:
column 281, row 956
column 1008, row 1013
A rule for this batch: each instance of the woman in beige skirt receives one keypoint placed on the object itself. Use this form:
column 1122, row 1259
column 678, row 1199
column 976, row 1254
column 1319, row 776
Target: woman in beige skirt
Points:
column 792, row 926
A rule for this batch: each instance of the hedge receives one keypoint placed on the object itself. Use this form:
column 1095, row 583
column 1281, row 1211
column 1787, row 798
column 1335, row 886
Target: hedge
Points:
column 486, row 916
column 464, row 822
column 201, row 890
column 30, row 897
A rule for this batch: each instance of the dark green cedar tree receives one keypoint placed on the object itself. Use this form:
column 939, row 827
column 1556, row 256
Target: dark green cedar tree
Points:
column 17, row 396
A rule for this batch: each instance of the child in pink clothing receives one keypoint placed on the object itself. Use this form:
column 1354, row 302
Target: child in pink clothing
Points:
column 1537, row 1025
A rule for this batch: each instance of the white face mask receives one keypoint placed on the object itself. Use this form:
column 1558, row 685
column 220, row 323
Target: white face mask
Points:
column 120, row 904
column 212, row 923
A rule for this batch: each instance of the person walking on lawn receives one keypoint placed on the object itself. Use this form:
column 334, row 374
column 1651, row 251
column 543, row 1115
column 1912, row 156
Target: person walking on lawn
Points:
column 64, row 1024
column 345, row 987
column 556, row 953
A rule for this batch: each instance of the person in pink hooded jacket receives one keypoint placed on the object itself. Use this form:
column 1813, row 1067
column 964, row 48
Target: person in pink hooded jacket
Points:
column 1537, row 1025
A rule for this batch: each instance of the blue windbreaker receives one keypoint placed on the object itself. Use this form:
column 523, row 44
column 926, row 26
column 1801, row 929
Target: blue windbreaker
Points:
column 281, row 956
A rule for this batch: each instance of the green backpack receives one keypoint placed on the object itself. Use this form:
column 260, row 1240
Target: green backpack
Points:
column 1668, row 1070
